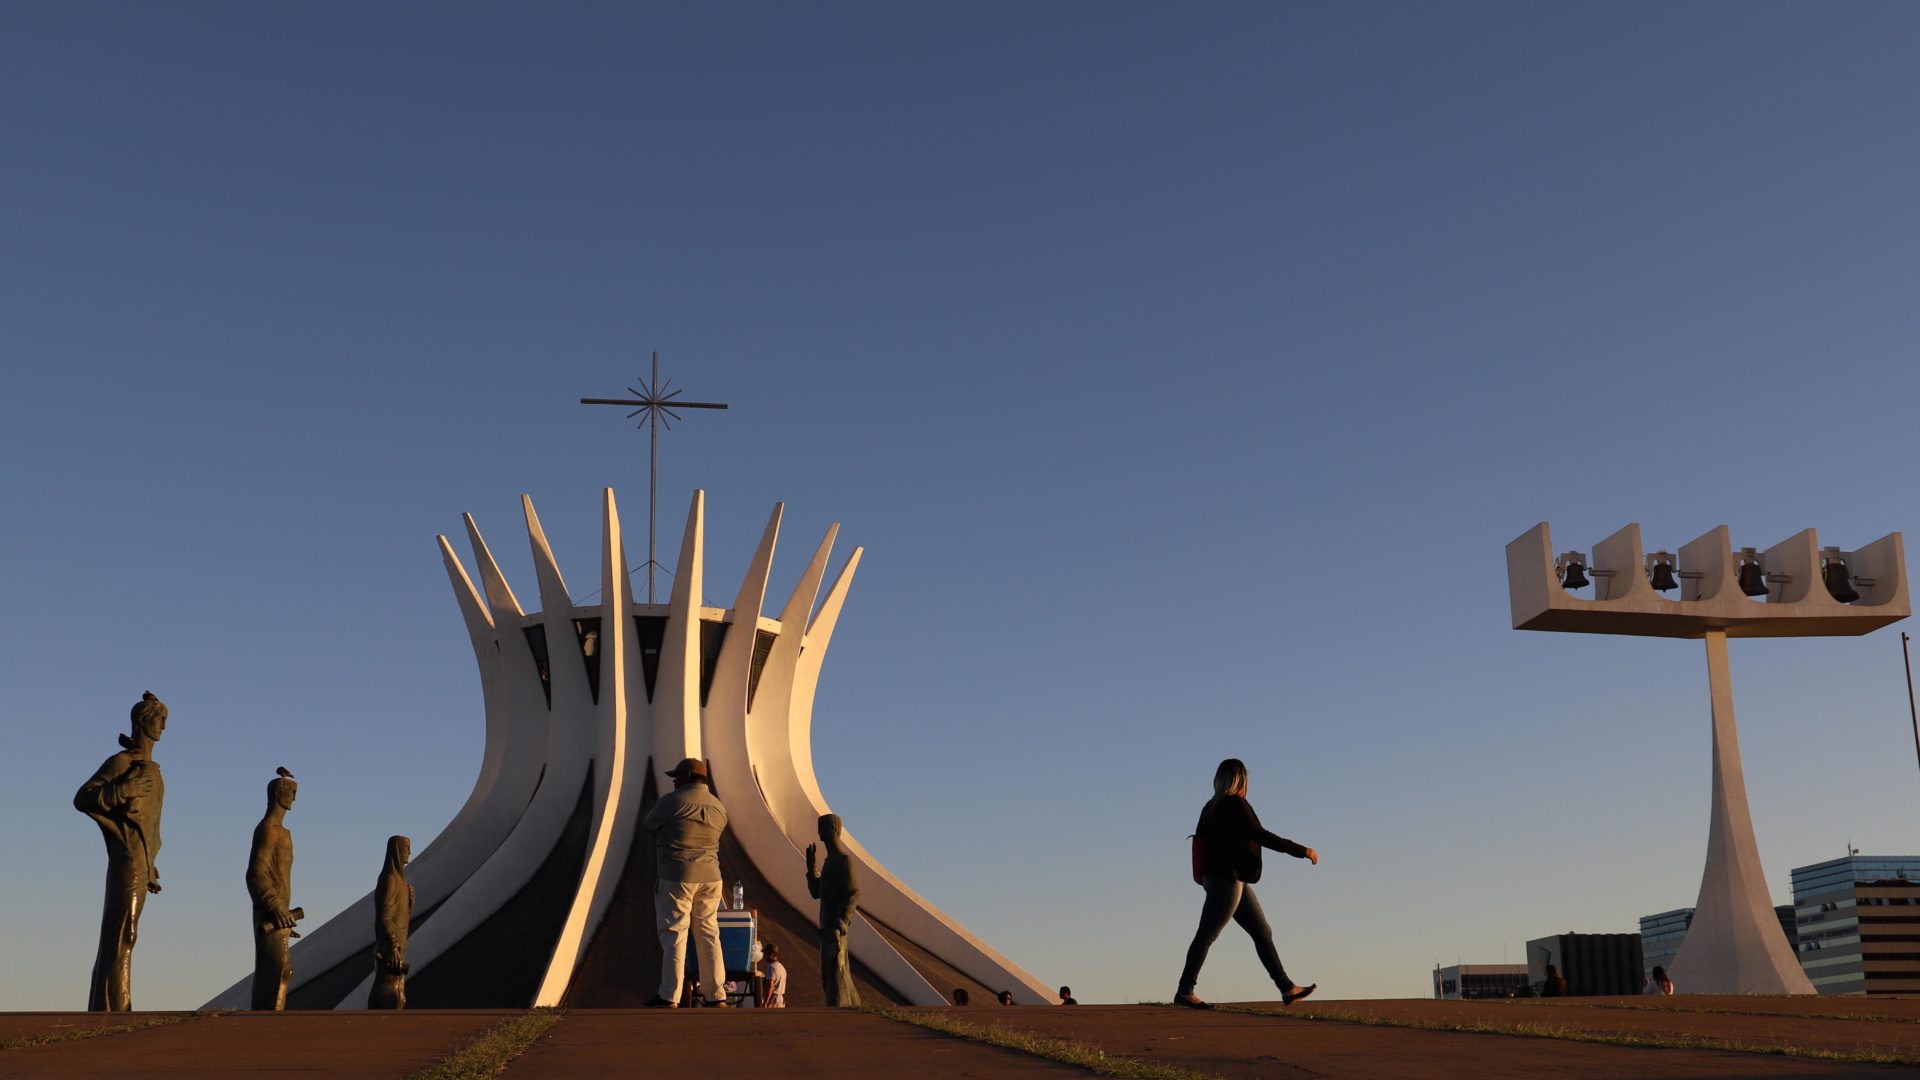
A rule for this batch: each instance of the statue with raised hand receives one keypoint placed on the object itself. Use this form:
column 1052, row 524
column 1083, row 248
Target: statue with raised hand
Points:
column 392, row 913
column 269, row 881
column 838, row 891
column 124, row 798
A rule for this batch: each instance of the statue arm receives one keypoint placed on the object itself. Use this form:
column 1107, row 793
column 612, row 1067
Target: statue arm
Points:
column 103, row 793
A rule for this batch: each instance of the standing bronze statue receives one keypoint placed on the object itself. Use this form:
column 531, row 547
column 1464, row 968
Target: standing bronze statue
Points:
column 124, row 798
column 838, row 891
column 269, row 881
column 392, row 912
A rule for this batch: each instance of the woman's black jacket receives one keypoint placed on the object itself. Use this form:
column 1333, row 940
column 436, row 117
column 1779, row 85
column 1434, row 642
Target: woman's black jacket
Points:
column 1231, row 837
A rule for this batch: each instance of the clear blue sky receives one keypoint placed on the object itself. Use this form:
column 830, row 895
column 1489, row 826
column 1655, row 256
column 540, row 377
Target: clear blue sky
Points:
column 1184, row 371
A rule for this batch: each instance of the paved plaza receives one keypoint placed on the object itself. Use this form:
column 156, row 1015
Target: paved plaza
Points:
column 1689, row 1036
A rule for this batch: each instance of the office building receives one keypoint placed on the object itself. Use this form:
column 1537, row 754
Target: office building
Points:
column 1469, row 981
column 1660, row 936
column 1591, row 963
column 1858, row 920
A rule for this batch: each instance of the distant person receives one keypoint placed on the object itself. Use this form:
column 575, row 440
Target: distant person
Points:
column 959, row 995
column 1226, row 863
column 776, row 979
column 1659, row 983
column 686, row 824
column 1556, row 984
column 1066, row 996
column 1006, row 997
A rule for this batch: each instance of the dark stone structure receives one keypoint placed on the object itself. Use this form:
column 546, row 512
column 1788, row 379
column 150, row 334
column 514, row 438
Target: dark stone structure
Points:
column 838, row 891
column 124, row 798
column 269, row 883
column 392, row 911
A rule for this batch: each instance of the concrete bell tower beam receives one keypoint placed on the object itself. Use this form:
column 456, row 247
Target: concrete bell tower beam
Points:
column 1734, row 945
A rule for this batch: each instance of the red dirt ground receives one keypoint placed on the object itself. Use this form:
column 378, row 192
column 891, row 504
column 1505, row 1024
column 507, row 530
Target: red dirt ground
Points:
column 814, row 1042
column 793, row 1044
column 1237, row 1045
column 312, row 1044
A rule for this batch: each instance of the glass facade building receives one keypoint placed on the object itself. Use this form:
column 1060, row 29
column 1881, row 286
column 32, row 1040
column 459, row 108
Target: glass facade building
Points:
column 1660, row 936
column 1470, row 981
column 1858, row 922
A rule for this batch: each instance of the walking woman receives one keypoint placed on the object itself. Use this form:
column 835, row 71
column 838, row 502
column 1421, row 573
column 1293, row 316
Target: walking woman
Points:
column 1227, row 846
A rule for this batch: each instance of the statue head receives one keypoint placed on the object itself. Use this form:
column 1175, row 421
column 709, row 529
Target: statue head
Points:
column 149, row 717
column 830, row 828
column 399, row 851
column 281, row 790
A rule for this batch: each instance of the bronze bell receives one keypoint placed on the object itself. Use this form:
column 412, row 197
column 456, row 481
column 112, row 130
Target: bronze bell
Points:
column 1753, row 580
column 1839, row 583
column 1663, row 578
column 1575, row 577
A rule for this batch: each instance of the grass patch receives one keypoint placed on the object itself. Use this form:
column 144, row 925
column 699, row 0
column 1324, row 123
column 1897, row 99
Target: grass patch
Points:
column 489, row 1052
column 1542, row 1031
column 70, row 1034
column 1066, row 1051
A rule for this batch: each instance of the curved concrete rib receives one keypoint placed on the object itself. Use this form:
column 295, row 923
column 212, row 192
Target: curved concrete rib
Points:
column 675, row 713
column 780, row 748
column 611, row 831
column 749, row 817
column 883, row 895
column 768, row 739
column 572, row 736
column 499, row 794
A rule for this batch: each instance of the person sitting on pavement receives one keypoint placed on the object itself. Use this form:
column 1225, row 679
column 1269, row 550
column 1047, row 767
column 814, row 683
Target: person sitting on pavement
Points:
column 1658, row 983
column 1555, row 984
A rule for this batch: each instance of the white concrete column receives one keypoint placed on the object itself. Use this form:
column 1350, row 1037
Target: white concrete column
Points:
column 1735, row 945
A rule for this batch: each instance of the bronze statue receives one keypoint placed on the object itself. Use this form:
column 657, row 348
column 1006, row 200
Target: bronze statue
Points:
column 839, row 894
column 392, row 911
column 124, row 798
column 269, row 880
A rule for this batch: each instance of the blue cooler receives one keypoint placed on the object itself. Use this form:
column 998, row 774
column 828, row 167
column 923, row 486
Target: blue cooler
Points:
column 739, row 948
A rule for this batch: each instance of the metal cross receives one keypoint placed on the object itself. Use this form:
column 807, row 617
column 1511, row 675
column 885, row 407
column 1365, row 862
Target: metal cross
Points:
column 659, row 403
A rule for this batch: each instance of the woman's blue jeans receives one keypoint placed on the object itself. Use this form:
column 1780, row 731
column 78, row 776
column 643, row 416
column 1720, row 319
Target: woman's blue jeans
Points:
column 1229, row 899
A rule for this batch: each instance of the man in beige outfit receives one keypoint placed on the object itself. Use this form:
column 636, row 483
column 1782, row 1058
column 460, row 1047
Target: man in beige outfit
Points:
column 686, row 825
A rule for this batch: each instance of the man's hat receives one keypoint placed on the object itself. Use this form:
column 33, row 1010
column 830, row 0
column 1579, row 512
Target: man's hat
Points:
column 689, row 767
